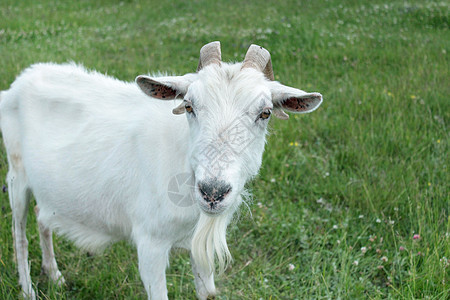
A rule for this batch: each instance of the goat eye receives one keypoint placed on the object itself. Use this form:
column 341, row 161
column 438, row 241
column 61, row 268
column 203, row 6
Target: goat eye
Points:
column 189, row 108
column 265, row 114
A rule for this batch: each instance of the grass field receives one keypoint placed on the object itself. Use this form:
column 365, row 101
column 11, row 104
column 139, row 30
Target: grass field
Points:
column 342, row 191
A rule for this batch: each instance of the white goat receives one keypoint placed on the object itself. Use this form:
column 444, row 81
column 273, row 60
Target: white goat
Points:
column 104, row 160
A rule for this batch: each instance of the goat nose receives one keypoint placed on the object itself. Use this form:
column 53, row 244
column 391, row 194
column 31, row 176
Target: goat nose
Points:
column 214, row 191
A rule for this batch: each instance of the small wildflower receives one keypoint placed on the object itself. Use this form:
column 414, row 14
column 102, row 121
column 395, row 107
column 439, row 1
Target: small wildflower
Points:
column 291, row 144
column 327, row 174
column 378, row 251
column 361, row 216
column 350, row 248
column 396, row 208
column 438, row 141
column 335, row 227
column 416, row 237
column 445, row 262
column 378, row 220
column 372, row 238
column 401, row 248
column 384, row 259
column 413, row 97
column 259, row 204
column 338, row 242
column 389, row 94
column 291, row 267
column 355, row 263
column 391, row 222
column 272, row 180
column 429, row 183
column 363, row 250
column 419, row 253
column 380, row 267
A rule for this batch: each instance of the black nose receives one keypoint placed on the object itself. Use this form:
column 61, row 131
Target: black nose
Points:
column 214, row 191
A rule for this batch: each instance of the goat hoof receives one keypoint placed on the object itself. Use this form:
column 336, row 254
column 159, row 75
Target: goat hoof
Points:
column 30, row 295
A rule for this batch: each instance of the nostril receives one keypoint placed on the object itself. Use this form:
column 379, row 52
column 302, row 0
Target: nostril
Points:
column 214, row 190
column 202, row 189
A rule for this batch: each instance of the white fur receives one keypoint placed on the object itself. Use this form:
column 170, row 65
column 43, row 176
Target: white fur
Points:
column 99, row 155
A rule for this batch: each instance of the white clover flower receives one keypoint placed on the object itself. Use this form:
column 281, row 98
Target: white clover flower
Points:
column 445, row 262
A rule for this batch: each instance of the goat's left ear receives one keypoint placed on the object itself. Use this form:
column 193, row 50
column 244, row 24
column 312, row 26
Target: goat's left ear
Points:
column 165, row 88
column 293, row 100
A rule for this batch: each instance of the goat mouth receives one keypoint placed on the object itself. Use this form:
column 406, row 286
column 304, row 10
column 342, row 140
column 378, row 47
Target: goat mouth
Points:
column 212, row 208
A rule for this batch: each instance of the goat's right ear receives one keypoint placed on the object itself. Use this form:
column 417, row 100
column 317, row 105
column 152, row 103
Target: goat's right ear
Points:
column 165, row 88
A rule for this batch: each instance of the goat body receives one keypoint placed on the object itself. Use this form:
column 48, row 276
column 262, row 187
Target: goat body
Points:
column 102, row 158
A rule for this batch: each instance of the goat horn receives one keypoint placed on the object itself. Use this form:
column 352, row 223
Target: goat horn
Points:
column 209, row 54
column 259, row 58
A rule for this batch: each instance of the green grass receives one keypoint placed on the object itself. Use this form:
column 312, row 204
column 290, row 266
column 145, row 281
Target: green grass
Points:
column 368, row 169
